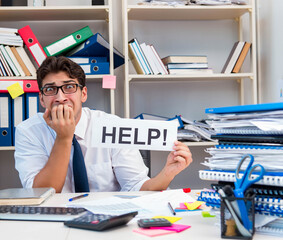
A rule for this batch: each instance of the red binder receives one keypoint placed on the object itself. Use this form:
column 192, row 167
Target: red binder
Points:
column 27, row 85
column 32, row 43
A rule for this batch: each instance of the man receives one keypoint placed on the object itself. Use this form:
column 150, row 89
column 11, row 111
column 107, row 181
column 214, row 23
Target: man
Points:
column 43, row 146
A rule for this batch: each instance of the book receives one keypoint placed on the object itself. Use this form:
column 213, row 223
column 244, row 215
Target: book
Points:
column 20, row 61
column 25, row 196
column 191, row 71
column 27, row 61
column 135, row 60
column 162, row 67
column 186, row 65
column 148, row 54
column 242, row 57
column 233, row 57
column 184, row 59
column 15, row 61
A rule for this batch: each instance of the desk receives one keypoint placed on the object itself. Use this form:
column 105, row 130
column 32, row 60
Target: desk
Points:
column 201, row 228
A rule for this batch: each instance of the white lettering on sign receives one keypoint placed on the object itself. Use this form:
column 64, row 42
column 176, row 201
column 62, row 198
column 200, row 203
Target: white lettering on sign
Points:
column 134, row 133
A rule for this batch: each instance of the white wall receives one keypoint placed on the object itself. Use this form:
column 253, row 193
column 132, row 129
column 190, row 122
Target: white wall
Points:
column 214, row 39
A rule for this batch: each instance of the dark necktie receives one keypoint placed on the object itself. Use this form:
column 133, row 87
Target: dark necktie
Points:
column 79, row 170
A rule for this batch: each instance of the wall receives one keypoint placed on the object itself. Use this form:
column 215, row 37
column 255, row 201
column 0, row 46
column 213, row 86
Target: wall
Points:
column 214, row 39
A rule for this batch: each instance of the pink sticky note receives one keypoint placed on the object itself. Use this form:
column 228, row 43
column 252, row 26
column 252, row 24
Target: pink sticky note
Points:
column 183, row 206
column 109, row 81
column 152, row 232
column 173, row 227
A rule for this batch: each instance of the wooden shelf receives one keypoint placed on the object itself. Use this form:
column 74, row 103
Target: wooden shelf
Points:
column 54, row 13
column 139, row 12
column 191, row 77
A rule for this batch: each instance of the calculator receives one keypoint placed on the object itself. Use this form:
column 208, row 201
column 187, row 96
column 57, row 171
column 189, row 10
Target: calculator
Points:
column 100, row 222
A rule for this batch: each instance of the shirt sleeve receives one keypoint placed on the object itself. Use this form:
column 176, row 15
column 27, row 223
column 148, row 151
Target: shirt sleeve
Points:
column 129, row 169
column 30, row 154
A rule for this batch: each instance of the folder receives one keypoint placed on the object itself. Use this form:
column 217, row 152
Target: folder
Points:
column 18, row 113
column 27, row 85
column 32, row 104
column 246, row 108
column 5, row 120
column 87, row 60
column 6, row 65
column 66, row 43
column 148, row 116
column 96, row 46
column 2, row 68
column 32, row 44
column 96, row 68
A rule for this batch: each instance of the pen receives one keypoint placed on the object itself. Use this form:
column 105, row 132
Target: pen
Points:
column 78, row 197
column 171, row 208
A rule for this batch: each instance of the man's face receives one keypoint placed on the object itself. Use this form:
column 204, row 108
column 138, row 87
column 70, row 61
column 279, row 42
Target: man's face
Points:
column 73, row 100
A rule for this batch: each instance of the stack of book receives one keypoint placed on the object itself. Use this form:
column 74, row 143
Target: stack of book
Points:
column 145, row 58
column 187, row 64
column 236, row 57
column 14, row 61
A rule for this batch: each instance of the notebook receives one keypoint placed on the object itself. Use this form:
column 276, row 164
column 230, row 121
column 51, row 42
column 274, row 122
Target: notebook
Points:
column 222, row 138
column 273, row 179
column 25, row 196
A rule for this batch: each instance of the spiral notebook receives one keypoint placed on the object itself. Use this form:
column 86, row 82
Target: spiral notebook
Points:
column 263, row 205
column 270, row 178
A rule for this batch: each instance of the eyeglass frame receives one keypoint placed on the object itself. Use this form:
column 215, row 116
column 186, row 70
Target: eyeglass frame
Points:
column 61, row 87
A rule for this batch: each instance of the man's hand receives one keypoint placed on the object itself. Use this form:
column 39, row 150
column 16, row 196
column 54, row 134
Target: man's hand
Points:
column 178, row 160
column 61, row 119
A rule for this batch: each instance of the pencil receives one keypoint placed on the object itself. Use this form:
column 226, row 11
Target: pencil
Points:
column 78, row 197
column 171, row 208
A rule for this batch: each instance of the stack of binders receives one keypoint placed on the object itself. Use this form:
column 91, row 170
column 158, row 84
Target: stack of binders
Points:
column 257, row 130
column 14, row 111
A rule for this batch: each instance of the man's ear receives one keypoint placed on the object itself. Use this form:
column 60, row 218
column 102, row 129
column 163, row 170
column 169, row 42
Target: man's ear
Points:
column 84, row 94
column 41, row 100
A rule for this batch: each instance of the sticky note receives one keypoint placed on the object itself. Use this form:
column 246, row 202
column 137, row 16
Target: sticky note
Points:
column 173, row 227
column 152, row 232
column 109, row 81
column 207, row 214
column 170, row 219
column 194, row 205
column 15, row 90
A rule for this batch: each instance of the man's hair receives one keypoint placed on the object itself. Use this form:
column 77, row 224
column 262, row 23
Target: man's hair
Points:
column 60, row 64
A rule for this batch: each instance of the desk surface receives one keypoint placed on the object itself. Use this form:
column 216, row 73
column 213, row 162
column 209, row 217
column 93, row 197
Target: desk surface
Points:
column 201, row 228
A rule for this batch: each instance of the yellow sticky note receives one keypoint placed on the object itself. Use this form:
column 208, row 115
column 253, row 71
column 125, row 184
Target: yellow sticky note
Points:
column 170, row 219
column 194, row 205
column 15, row 90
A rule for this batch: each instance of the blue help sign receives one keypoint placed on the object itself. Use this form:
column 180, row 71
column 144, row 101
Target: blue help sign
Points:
column 134, row 133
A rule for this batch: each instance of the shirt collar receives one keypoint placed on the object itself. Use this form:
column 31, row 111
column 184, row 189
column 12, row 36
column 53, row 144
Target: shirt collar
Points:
column 81, row 126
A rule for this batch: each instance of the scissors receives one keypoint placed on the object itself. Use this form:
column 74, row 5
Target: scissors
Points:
column 244, row 182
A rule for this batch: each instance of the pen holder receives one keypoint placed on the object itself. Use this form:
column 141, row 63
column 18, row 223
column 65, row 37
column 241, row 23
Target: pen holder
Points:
column 231, row 223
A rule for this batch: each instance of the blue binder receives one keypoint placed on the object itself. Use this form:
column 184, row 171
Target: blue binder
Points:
column 87, row 60
column 96, row 68
column 5, row 120
column 18, row 113
column 247, row 108
column 32, row 104
column 148, row 116
column 96, row 46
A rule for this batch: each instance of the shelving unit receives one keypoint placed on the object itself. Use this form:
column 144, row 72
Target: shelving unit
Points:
column 66, row 13
column 134, row 12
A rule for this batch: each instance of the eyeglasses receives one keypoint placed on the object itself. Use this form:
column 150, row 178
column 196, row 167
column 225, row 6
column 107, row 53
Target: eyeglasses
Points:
column 66, row 88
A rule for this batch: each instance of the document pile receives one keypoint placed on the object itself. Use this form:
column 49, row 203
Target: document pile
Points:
column 195, row 131
column 9, row 36
column 174, row 3
column 250, row 129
